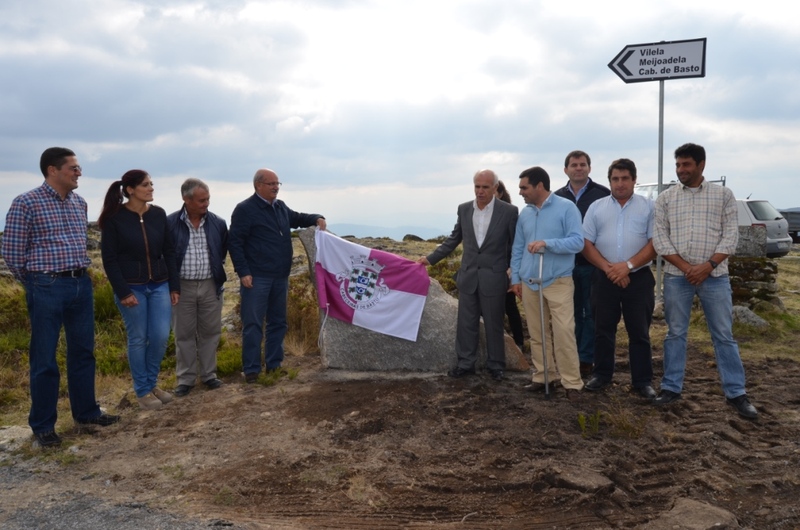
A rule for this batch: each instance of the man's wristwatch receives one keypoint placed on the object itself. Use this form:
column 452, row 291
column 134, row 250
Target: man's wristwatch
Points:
column 713, row 263
column 630, row 265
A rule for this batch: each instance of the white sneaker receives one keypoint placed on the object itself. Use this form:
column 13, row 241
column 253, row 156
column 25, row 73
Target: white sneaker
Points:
column 164, row 397
column 150, row 402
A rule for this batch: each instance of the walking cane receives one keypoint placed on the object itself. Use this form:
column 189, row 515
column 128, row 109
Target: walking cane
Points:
column 539, row 281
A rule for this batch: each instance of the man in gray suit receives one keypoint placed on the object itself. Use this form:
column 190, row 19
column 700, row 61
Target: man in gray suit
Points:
column 486, row 228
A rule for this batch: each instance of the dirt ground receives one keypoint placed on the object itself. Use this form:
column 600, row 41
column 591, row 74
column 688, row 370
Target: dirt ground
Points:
column 379, row 451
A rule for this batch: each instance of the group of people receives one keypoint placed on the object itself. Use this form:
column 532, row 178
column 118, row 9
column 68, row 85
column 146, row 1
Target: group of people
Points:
column 166, row 272
column 586, row 249
column 582, row 254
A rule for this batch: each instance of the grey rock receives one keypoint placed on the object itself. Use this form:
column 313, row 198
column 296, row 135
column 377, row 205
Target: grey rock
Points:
column 688, row 514
column 752, row 242
column 349, row 347
column 743, row 315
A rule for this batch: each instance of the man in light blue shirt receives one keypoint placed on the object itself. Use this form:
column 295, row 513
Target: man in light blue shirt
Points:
column 551, row 224
column 618, row 233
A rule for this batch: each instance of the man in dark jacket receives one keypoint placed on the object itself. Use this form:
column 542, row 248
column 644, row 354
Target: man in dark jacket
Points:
column 261, row 251
column 201, row 244
column 485, row 228
column 583, row 191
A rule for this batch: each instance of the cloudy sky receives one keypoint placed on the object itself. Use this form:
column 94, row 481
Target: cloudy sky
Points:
column 378, row 113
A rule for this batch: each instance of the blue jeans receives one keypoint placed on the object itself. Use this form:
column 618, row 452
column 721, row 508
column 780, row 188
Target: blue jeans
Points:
column 148, row 325
column 584, row 323
column 267, row 298
column 54, row 302
column 715, row 297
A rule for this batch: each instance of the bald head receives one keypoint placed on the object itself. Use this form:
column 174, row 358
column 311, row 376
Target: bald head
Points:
column 487, row 173
column 485, row 182
column 266, row 183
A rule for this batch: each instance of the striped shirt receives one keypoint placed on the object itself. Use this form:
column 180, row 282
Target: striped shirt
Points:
column 619, row 232
column 696, row 223
column 45, row 233
column 196, row 264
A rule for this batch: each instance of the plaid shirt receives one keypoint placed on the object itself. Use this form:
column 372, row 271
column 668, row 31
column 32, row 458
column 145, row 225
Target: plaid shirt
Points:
column 45, row 233
column 196, row 265
column 696, row 224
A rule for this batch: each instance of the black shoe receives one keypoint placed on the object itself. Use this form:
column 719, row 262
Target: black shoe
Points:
column 665, row 397
column 47, row 439
column 251, row 378
column 596, row 383
column 182, row 390
column 103, row 420
column 743, row 406
column 497, row 375
column 539, row 387
column 586, row 369
column 213, row 384
column 460, row 372
column 646, row 392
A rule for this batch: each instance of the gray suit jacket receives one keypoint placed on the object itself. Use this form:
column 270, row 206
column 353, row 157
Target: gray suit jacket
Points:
column 483, row 267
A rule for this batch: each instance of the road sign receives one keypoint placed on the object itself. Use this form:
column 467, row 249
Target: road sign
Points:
column 661, row 60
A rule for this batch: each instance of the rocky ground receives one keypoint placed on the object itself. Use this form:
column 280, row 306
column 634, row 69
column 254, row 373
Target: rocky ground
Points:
column 337, row 450
column 341, row 450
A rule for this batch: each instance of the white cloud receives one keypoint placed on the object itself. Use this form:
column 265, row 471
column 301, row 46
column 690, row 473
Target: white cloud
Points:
column 385, row 109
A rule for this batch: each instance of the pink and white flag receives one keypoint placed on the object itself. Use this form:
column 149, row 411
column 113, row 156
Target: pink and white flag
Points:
column 370, row 288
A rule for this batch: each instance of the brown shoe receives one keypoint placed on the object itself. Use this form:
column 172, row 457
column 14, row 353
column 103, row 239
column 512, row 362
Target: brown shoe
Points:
column 163, row 397
column 149, row 402
column 573, row 395
column 539, row 387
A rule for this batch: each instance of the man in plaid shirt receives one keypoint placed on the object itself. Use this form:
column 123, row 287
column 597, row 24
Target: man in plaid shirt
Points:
column 696, row 229
column 44, row 247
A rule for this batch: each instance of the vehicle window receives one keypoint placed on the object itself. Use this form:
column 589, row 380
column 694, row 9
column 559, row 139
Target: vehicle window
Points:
column 763, row 211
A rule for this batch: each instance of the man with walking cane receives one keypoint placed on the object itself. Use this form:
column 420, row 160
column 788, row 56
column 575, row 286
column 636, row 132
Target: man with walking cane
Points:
column 548, row 236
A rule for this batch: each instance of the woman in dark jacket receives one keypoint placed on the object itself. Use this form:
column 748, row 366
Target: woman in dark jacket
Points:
column 512, row 311
column 139, row 260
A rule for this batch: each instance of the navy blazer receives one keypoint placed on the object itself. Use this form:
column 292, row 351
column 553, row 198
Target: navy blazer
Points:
column 260, row 238
column 216, row 231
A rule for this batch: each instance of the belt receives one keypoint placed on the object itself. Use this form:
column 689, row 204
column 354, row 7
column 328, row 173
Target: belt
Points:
column 77, row 273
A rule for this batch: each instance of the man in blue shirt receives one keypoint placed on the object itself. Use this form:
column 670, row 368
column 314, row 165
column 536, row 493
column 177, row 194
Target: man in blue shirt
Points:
column 551, row 224
column 618, row 232
column 44, row 246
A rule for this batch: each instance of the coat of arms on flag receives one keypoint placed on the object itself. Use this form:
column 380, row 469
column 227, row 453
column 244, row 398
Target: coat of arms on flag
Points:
column 370, row 288
column 361, row 286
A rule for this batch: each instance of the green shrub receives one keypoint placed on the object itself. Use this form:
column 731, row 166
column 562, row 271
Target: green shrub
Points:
column 444, row 272
column 105, row 309
column 13, row 307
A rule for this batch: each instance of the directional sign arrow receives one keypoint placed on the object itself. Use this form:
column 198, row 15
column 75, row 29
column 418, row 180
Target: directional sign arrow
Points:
column 661, row 60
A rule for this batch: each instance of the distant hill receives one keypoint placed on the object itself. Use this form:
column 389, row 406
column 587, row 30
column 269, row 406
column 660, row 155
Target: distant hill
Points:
column 397, row 233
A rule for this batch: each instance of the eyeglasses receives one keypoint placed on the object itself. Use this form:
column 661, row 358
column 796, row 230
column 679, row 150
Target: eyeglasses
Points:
column 272, row 184
column 75, row 169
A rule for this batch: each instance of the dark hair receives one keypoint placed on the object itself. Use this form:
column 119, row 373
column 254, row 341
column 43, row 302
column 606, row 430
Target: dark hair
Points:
column 117, row 191
column 622, row 164
column 191, row 184
column 54, row 156
column 577, row 154
column 535, row 175
column 693, row 151
column 501, row 189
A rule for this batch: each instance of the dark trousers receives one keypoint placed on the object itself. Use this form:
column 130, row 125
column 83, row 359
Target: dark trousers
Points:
column 635, row 304
column 514, row 319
